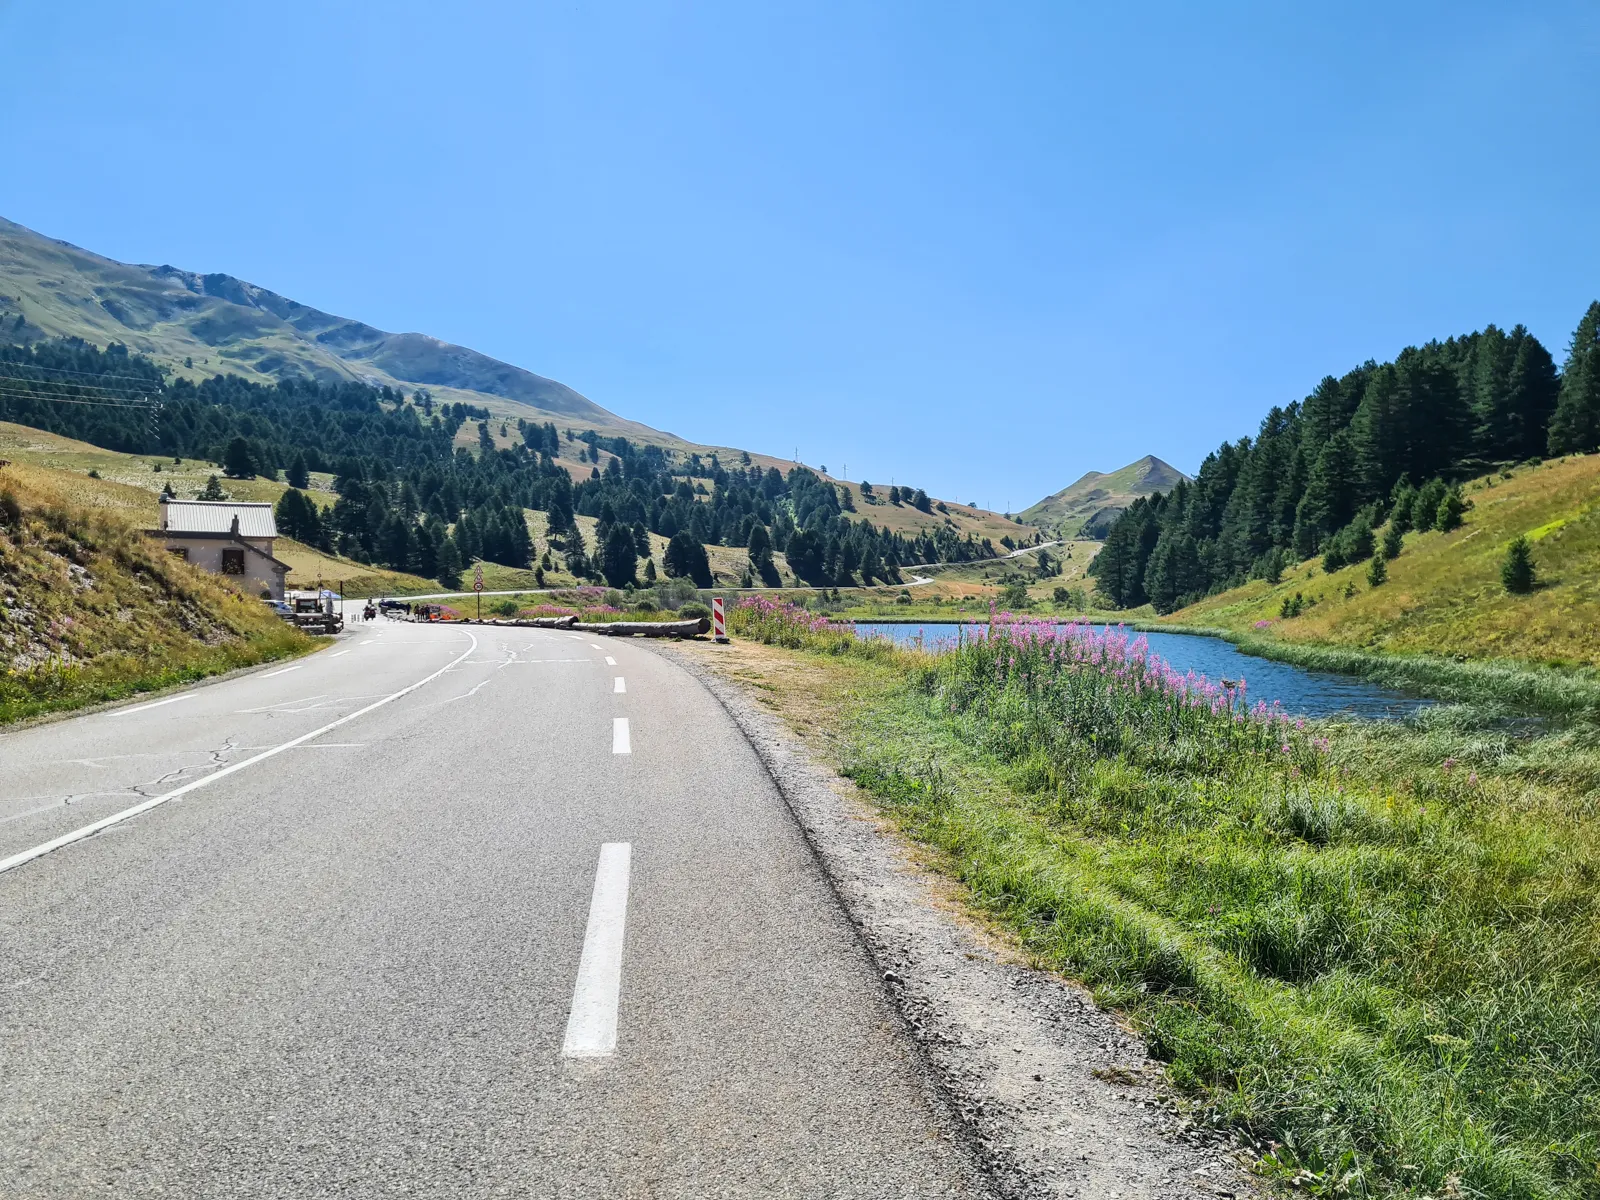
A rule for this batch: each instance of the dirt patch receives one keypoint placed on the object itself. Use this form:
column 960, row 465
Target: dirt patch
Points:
column 1059, row 1098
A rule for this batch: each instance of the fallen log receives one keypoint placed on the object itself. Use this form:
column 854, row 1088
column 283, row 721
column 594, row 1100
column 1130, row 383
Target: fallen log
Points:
column 672, row 629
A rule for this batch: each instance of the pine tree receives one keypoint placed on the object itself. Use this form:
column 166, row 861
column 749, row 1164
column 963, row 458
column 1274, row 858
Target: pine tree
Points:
column 1517, row 569
column 618, row 562
column 1330, row 496
column 1531, row 393
column 449, row 564
column 1575, row 424
column 212, row 490
column 299, row 476
column 1393, row 538
column 686, row 557
column 1378, row 570
column 237, row 461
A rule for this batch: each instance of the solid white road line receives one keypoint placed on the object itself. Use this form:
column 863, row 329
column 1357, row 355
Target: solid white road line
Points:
column 340, row 654
column 592, row 1023
column 610, row 662
column 285, row 671
column 618, row 686
column 620, row 742
column 153, row 704
column 66, row 839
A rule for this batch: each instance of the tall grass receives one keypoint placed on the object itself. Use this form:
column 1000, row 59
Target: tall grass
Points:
column 1374, row 948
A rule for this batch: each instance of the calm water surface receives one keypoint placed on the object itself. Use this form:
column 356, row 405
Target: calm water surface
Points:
column 1301, row 692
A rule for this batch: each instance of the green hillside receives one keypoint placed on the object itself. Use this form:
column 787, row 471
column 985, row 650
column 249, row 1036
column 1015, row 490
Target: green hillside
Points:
column 1089, row 506
column 1443, row 594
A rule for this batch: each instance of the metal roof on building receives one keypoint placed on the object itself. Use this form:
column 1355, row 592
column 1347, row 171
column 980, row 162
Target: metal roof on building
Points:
column 216, row 516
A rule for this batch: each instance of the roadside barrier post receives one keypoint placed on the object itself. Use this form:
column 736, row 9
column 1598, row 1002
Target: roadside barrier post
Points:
column 719, row 619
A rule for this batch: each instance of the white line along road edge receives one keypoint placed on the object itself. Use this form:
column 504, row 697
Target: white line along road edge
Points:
column 66, row 839
column 592, row 1023
column 125, row 712
column 621, row 742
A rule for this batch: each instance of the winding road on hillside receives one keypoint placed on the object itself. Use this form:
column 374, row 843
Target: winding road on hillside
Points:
column 436, row 911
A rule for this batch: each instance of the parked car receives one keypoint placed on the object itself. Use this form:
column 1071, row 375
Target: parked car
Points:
column 281, row 608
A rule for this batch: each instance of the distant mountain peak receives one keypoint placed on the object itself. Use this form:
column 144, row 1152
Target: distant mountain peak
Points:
column 1088, row 505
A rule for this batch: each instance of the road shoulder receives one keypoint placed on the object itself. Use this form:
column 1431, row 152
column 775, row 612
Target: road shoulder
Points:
column 1057, row 1096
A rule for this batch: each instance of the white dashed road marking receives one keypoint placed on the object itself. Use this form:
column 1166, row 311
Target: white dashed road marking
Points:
column 621, row 743
column 610, row 662
column 592, row 1022
column 618, row 686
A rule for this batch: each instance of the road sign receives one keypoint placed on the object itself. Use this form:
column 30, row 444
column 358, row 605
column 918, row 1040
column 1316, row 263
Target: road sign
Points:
column 477, row 578
column 719, row 620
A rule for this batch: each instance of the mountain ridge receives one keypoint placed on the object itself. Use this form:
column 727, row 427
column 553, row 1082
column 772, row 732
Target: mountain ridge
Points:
column 171, row 314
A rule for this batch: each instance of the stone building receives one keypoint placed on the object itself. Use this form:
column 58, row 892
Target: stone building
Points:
column 227, row 537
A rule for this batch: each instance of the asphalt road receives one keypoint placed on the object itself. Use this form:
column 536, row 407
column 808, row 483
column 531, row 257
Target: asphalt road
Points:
column 375, row 959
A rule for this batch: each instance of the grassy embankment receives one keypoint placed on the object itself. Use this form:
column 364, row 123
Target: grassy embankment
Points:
column 91, row 610
column 1373, row 948
column 1443, row 609
column 130, row 485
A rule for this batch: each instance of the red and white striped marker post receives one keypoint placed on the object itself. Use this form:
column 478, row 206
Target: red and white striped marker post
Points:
column 719, row 620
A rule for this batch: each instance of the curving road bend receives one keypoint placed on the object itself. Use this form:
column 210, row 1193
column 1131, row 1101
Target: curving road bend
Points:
column 436, row 912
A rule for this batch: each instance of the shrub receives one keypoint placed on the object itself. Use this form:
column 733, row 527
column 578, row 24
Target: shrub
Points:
column 1451, row 507
column 1378, row 572
column 694, row 609
column 1013, row 596
column 1517, row 569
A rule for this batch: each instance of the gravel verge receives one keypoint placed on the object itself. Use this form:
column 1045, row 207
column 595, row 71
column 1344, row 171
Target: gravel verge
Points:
column 1059, row 1099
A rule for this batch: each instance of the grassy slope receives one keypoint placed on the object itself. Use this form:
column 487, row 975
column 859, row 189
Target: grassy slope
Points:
column 131, row 484
column 92, row 610
column 897, row 518
column 1444, row 595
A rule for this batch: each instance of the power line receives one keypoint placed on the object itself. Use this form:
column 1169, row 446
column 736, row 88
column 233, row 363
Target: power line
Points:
column 68, row 371
column 148, row 405
column 59, row 387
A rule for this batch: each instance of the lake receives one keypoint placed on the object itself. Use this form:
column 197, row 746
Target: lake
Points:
column 1301, row 692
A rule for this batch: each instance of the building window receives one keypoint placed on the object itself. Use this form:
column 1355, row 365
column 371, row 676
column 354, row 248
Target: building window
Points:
column 179, row 552
column 233, row 562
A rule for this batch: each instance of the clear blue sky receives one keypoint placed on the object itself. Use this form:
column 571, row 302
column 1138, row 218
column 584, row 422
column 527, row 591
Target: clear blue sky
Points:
column 981, row 248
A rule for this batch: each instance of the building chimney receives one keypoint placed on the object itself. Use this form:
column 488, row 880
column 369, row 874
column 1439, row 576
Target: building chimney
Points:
column 234, row 528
